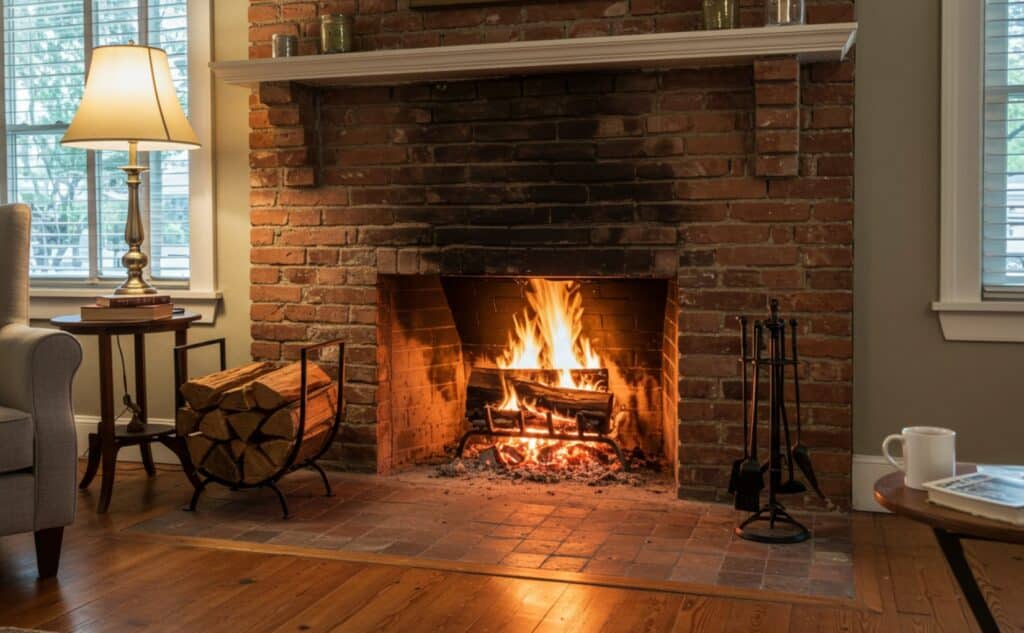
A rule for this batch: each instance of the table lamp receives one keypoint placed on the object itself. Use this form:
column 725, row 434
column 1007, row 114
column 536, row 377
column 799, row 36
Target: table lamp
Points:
column 130, row 104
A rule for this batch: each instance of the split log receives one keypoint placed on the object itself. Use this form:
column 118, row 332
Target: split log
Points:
column 186, row 421
column 276, row 450
column 198, row 447
column 567, row 402
column 220, row 463
column 257, row 466
column 320, row 409
column 485, row 383
column 283, row 386
column 244, row 424
column 237, row 449
column 238, row 399
column 312, row 442
column 203, row 393
column 215, row 425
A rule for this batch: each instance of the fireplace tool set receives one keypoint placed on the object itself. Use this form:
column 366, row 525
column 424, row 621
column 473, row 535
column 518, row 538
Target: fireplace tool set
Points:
column 770, row 523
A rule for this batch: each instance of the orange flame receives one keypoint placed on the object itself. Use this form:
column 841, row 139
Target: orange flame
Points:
column 552, row 338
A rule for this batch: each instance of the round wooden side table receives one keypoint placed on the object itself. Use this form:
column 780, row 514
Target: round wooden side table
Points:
column 950, row 526
column 109, row 437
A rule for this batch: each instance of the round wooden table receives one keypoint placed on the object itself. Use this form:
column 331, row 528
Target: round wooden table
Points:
column 950, row 526
column 110, row 437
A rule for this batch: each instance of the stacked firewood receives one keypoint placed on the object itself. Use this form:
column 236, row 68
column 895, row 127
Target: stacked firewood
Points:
column 242, row 424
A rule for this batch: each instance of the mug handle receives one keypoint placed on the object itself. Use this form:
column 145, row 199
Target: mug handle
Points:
column 885, row 451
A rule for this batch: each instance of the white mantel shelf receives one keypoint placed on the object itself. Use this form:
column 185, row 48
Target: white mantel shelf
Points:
column 809, row 43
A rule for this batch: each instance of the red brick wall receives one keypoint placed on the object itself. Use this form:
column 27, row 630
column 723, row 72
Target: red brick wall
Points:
column 735, row 181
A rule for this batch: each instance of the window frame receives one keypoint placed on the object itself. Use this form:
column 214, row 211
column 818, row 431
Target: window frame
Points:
column 965, row 314
column 199, row 293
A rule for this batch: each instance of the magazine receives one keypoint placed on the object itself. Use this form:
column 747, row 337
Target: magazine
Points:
column 981, row 494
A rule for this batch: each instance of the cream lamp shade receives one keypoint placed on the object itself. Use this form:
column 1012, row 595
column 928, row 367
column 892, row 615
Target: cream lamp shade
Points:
column 129, row 98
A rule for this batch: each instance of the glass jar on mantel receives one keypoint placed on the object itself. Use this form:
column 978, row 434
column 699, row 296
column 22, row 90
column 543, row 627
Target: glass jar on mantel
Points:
column 784, row 12
column 335, row 33
column 720, row 14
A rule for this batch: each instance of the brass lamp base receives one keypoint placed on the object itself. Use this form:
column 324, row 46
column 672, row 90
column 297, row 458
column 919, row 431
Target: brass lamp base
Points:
column 134, row 260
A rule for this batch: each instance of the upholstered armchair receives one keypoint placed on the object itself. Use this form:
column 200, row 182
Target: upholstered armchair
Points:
column 38, row 454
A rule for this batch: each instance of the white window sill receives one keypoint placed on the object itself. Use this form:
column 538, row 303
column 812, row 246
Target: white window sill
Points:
column 46, row 303
column 985, row 321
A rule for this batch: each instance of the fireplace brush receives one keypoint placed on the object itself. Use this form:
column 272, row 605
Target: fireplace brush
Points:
column 769, row 523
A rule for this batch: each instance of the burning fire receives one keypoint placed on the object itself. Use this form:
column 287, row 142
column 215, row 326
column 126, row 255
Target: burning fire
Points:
column 548, row 335
column 550, row 339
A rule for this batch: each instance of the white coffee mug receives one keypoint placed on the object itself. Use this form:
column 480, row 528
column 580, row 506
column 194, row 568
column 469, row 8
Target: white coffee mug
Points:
column 929, row 453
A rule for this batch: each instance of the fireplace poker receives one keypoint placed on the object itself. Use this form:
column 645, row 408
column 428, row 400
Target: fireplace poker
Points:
column 799, row 452
column 738, row 464
column 751, row 479
column 791, row 485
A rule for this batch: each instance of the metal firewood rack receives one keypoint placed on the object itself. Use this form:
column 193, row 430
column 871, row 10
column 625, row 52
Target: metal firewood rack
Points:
column 289, row 465
column 549, row 433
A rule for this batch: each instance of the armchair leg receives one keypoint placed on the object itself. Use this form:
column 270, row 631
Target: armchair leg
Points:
column 48, row 544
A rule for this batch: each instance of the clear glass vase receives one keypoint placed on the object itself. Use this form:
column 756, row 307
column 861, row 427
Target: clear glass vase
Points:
column 720, row 14
column 784, row 12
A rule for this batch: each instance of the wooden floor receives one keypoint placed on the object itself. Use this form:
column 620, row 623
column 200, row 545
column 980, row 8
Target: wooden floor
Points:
column 112, row 581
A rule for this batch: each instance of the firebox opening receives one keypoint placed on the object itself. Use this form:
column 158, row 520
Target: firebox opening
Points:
column 573, row 355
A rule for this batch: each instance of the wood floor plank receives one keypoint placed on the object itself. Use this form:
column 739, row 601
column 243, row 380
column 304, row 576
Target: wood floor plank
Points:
column 119, row 581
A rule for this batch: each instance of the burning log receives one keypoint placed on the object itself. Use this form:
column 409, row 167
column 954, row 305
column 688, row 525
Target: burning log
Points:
column 485, row 383
column 567, row 402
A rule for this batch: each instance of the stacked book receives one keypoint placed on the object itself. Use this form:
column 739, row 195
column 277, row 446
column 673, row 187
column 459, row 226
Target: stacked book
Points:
column 993, row 492
column 129, row 308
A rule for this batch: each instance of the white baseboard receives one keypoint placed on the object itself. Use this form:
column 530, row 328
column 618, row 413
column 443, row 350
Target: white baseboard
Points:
column 867, row 469
column 86, row 424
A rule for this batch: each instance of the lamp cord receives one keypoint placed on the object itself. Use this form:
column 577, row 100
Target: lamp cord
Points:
column 129, row 404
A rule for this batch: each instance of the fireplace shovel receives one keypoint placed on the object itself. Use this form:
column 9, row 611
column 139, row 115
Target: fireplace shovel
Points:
column 750, row 480
column 734, row 475
column 791, row 485
column 799, row 452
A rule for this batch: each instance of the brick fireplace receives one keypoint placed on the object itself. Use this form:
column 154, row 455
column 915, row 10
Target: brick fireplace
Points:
column 719, row 186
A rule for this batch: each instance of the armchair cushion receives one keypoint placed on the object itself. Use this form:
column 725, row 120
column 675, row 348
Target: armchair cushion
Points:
column 15, row 440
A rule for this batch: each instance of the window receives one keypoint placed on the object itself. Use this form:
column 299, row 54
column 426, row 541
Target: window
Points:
column 79, row 199
column 1003, row 150
column 981, row 290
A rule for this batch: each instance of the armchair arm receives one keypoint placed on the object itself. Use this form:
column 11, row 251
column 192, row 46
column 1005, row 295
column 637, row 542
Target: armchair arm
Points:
column 36, row 370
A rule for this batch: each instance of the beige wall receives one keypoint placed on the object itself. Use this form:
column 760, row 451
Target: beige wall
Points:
column 904, row 372
column 231, row 174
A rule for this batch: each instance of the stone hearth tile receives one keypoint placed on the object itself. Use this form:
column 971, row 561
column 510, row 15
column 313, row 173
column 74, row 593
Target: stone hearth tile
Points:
column 672, row 531
column 700, row 560
column 744, row 565
column 462, row 537
column 639, row 529
column 739, row 579
column 550, row 534
column 578, row 512
column 531, row 546
column 406, row 548
column 607, row 567
column 577, row 548
column 493, row 515
column 750, row 549
column 565, row 563
column 293, row 538
column 796, row 552
column 694, row 574
column 830, row 573
column 445, row 551
column 665, row 544
column 583, row 536
column 529, row 561
column 602, row 525
column 525, row 520
column 369, row 544
column 830, row 589
column 705, row 545
column 788, row 568
column 656, row 557
column 258, row 536
column 559, row 522
column 535, row 508
column 510, row 531
column 831, row 557
column 649, row 570
column 624, row 552
column 792, row 584
column 330, row 542
column 485, row 555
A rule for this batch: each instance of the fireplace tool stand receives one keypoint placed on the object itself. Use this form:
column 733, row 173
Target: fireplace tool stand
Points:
column 583, row 421
column 772, row 523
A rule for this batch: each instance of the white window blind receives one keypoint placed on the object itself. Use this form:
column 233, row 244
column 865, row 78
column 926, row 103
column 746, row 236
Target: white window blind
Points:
column 79, row 199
